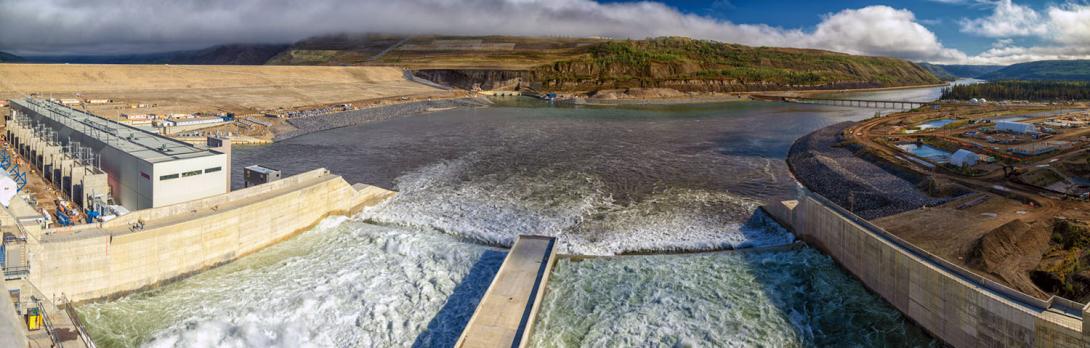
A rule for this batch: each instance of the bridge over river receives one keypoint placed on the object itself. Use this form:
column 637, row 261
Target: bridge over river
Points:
column 861, row 103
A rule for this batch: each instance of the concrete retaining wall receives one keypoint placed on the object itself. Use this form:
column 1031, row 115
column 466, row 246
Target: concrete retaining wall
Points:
column 953, row 304
column 101, row 260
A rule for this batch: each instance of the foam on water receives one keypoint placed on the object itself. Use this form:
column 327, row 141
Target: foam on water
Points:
column 792, row 298
column 347, row 284
column 574, row 207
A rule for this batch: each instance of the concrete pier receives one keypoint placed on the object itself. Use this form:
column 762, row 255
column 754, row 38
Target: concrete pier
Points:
column 507, row 312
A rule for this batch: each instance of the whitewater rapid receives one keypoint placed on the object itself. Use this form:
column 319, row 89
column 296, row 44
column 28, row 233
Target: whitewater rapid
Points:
column 574, row 207
column 787, row 298
column 344, row 284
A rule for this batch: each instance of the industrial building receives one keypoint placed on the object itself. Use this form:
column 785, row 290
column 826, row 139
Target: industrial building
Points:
column 1015, row 127
column 97, row 161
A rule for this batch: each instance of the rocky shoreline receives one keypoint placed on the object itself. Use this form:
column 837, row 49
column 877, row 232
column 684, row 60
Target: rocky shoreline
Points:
column 869, row 190
column 313, row 124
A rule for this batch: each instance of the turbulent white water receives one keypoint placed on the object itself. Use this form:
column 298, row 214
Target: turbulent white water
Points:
column 341, row 285
column 574, row 207
column 792, row 298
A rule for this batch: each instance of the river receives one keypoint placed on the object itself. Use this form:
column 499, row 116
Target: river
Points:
column 604, row 180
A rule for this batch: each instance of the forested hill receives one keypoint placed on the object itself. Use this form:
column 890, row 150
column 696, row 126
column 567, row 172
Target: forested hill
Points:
column 589, row 64
column 239, row 54
column 697, row 65
column 9, row 58
column 1021, row 90
column 1056, row 70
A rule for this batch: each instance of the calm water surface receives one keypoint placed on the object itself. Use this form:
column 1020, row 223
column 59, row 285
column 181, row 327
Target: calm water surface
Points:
column 604, row 180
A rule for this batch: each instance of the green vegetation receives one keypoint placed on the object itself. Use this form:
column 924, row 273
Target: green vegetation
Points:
column 689, row 64
column 1065, row 269
column 1070, row 234
column 938, row 71
column 1053, row 70
column 1021, row 90
column 970, row 71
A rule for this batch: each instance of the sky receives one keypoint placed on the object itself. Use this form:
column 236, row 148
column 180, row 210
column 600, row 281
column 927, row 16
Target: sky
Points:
column 937, row 31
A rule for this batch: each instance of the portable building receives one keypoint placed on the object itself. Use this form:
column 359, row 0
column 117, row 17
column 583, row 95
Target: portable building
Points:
column 964, row 158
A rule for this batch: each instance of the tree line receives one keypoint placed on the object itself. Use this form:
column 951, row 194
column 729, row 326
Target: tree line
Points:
column 1020, row 90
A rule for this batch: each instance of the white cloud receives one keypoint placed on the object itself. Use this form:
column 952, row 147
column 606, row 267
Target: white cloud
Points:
column 1070, row 24
column 1007, row 20
column 1062, row 32
column 881, row 30
column 65, row 26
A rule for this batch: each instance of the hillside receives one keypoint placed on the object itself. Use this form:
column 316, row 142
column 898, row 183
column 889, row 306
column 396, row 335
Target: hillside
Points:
column 1058, row 70
column 969, row 71
column 237, row 54
column 10, row 58
column 588, row 64
column 938, row 71
column 694, row 65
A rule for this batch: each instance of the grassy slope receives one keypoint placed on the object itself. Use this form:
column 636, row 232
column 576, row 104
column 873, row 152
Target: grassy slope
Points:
column 939, row 71
column 697, row 60
column 972, row 71
column 585, row 64
column 1066, row 70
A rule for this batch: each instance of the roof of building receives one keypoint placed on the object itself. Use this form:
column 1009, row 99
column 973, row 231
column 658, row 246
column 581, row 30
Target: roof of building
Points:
column 963, row 156
column 138, row 142
column 261, row 169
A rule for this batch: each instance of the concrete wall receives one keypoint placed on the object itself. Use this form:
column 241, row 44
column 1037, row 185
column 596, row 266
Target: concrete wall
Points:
column 100, row 260
column 953, row 304
column 186, row 188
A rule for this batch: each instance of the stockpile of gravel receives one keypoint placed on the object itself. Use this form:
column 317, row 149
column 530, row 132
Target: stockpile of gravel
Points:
column 852, row 182
column 380, row 113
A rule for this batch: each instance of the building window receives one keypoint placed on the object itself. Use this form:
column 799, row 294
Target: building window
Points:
column 212, row 170
column 168, row 177
column 192, row 173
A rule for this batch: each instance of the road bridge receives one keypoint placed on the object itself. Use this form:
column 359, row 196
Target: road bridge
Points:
column 858, row 103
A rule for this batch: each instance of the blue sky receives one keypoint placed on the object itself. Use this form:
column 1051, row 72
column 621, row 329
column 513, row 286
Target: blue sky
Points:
column 941, row 31
column 940, row 17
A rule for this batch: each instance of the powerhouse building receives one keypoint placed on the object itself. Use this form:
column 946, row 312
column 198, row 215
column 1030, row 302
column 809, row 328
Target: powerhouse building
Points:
column 141, row 169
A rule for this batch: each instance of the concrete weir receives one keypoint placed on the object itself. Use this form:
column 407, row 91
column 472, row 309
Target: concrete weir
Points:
column 152, row 246
column 507, row 312
column 953, row 304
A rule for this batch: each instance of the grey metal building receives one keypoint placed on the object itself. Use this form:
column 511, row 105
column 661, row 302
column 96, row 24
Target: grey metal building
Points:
column 142, row 169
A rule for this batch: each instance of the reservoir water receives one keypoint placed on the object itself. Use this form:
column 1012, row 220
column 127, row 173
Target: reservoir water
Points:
column 604, row 180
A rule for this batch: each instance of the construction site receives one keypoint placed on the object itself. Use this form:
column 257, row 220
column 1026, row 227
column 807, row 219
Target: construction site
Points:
column 995, row 188
column 248, row 104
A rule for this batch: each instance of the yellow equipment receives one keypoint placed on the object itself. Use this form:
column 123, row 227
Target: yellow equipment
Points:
column 33, row 319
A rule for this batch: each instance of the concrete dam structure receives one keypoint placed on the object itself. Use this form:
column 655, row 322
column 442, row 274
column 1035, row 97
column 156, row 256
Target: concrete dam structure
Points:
column 148, row 247
column 953, row 304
